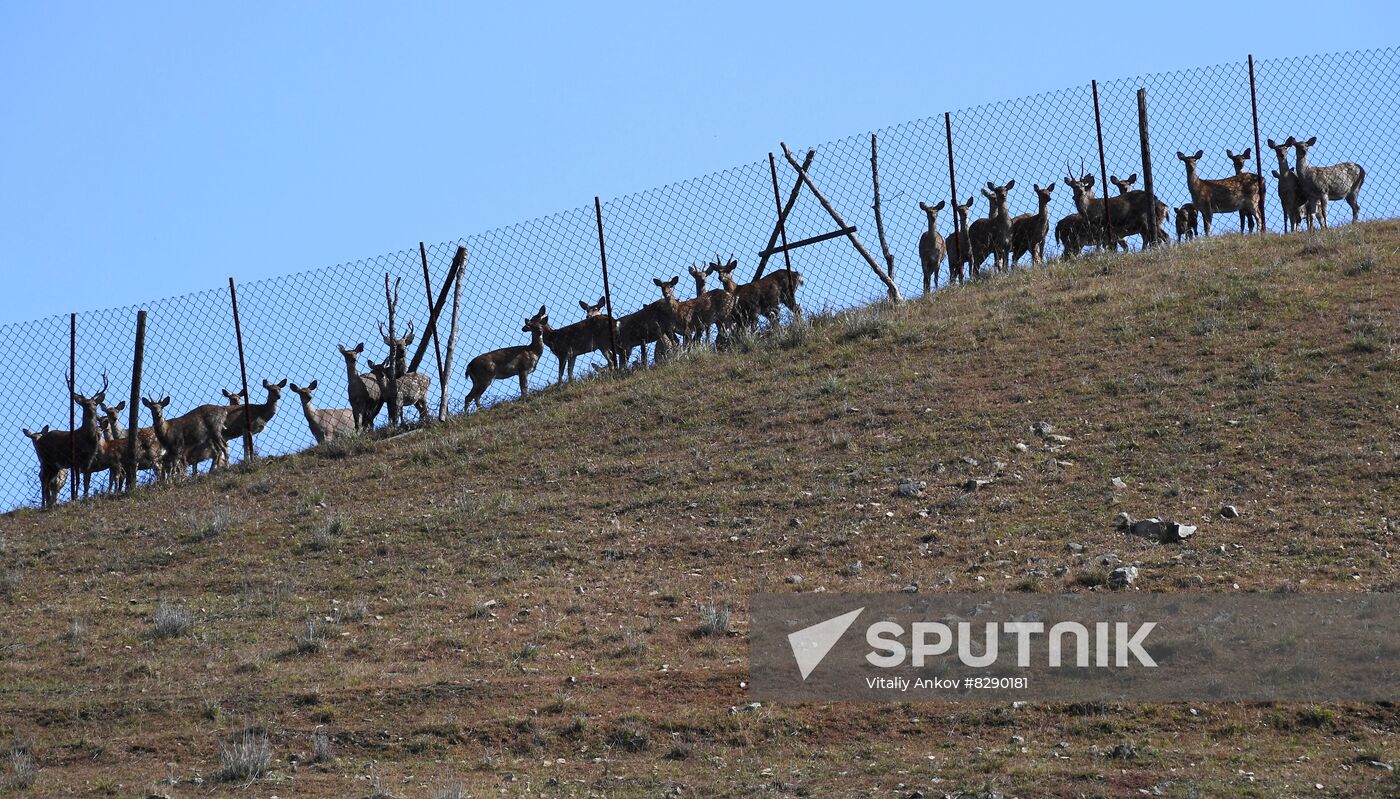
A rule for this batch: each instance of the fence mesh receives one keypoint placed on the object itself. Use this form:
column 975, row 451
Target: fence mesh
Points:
column 291, row 325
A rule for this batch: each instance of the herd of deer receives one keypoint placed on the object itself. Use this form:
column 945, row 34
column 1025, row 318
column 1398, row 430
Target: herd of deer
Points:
column 1303, row 191
column 170, row 446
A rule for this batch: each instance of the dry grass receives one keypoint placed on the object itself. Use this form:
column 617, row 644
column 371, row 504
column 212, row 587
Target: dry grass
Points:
column 521, row 610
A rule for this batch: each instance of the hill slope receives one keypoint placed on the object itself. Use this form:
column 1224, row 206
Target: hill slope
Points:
column 516, row 600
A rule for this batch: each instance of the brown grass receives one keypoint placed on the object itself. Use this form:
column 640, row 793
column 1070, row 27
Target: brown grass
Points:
column 513, row 601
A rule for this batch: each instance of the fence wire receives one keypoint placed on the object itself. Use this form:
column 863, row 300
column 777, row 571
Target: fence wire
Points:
column 292, row 325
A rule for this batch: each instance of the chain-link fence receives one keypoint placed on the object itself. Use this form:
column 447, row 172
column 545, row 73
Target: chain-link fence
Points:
column 292, row 325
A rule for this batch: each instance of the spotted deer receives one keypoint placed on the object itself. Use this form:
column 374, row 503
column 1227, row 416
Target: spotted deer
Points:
column 1290, row 195
column 1132, row 213
column 411, row 388
column 1238, row 160
column 195, row 436
column 724, row 299
column 932, row 247
column 1320, row 184
column 1028, row 231
column 991, row 235
column 766, row 296
column 959, row 253
column 518, row 361
column 654, row 322
column 696, row 315
column 366, row 400
column 590, row 334
column 1185, row 222
column 1219, row 196
column 325, row 423
column 52, row 474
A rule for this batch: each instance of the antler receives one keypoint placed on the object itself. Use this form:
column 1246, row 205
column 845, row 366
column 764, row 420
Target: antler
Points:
column 382, row 332
column 409, row 334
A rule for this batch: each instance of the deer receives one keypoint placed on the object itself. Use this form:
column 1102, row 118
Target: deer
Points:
column 1290, row 194
column 1132, row 213
column 992, row 233
column 1185, row 222
column 235, row 398
column 1320, row 184
column 518, row 361
column 1073, row 233
column 148, row 448
column 253, row 417
column 1238, row 160
column 325, row 423
column 366, row 400
column 765, row 297
column 696, row 315
column 197, row 435
column 932, row 247
column 1124, row 185
column 411, row 388
column 58, row 450
column 725, row 299
column 1028, row 231
column 654, row 322
column 959, row 253
column 52, row 474
column 592, row 333
column 1216, row 196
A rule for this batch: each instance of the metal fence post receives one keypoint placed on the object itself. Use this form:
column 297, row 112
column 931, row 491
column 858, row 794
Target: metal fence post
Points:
column 134, row 415
column 72, row 387
column 1258, row 156
column 1147, row 186
column 1103, row 170
column 959, row 226
column 607, row 287
column 243, row 374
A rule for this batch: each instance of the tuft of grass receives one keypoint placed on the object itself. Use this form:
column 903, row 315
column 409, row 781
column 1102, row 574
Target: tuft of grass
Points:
column 1368, row 333
column 321, row 747
column 714, row 620
column 22, row 767
column 326, row 535
column 244, row 757
column 346, row 447
column 452, row 790
column 203, row 528
column 171, row 621
column 630, row 735
column 309, row 639
column 351, row 612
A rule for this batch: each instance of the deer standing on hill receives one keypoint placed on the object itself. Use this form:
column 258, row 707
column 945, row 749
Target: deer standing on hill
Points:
column 195, row 436
column 1258, row 192
column 324, row 423
column 959, row 251
column 992, row 233
column 410, row 388
column 148, row 448
column 518, row 361
column 1211, row 197
column 52, row 475
column 58, row 450
column 1322, row 183
column 725, row 299
column 766, row 296
column 1132, row 213
column 654, row 322
column 587, row 335
column 1185, row 222
column 697, row 315
column 366, row 400
column 1028, row 231
column 253, row 417
column 1290, row 194
column 932, row 247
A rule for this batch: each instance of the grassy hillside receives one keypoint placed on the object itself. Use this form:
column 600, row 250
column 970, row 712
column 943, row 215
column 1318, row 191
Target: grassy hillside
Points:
column 531, row 600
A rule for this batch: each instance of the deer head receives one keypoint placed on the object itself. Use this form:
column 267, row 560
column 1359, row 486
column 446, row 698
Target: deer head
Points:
column 996, row 197
column 33, row 436
column 667, row 287
column 235, row 398
column 932, row 212
column 1300, row 149
column 537, row 323
column 1042, row 193
column 1238, row 159
column 304, row 393
column 1124, row 185
column 595, row 309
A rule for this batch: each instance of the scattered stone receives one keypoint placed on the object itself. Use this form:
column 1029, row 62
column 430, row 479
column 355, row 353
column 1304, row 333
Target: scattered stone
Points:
column 912, row 588
column 794, row 579
column 1124, row 751
column 1042, row 428
column 1123, row 521
column 970, row 461
column 1020, row 446
column 1058, row 439
column 1109, row 558
column 910, row 488
column 794, row 522
column 854, row 568
column 1382, row 765
column 1017, row 739
column 751, row 707
column 1149, row 528
column 1122, row 577
column 1061, row 570
column 975, row 484
column 1118, row 483
column 1077, row 549
column 1175, row 533
column 1230, row 512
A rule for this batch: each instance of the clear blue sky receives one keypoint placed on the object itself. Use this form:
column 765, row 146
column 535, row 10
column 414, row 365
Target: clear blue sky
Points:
column 151, row 149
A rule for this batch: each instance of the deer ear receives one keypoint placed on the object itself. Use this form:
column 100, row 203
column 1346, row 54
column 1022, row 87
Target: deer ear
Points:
column 1270, row 142
column 1311, row 142
column 583, row 305
column 314, row 383
column 656, row 280
column 1011, row 185
column 1181, row 155
column 941, row 205
column 1273, row 172
column 165, row 401
column 121, row 406
column 1246, row 153
column 1132, row 178
column 1199, row 153
column 991, row 185
column 923, row 206
column 360, row 347
column 282, row 384
column 986, row 194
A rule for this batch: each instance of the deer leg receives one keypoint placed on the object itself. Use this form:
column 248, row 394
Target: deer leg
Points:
column 1355, row 207
column 524, row 385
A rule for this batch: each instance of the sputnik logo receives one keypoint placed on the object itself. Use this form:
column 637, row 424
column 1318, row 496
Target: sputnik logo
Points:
column 810, row 645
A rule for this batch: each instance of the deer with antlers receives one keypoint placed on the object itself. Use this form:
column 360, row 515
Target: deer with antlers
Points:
column 58, row 450
column 410, row 389
column 1211, row 197
column 366, row 400
column 932, row 247
column 592, row 333
column 518, row 361
column 1319, row 184
column 189, row 439
column 1239, row 160
column 1028, row 231
column 324, row 423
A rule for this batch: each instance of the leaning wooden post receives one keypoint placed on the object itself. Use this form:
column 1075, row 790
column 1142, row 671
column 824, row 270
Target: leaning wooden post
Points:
column 959, row 224
column 72, row 387
column 243, row 374
column 607, row 287
column 134, row 415
column 1258, row 156
column 428, row 292
column 1151, row 238
column 782, row 223
column 435, row 307
column 1103, row 170
column 890, row 285
column 879, row 217
column 452, row 335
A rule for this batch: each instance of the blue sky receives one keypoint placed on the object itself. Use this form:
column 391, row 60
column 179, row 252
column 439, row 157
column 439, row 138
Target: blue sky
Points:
column 156, row 148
